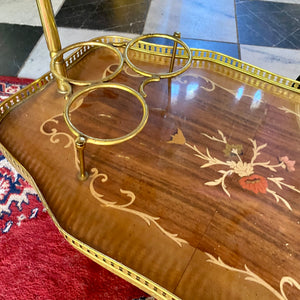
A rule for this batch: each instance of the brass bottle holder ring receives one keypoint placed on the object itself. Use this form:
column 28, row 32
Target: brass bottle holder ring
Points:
column 83, row 138
column 157, row 76
column 55, row 60
column 169, row 74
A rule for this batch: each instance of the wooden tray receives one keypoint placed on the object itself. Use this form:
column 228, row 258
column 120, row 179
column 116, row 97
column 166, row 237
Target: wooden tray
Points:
column 204, row 203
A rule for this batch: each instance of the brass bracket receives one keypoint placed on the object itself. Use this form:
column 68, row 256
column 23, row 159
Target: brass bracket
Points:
column 81, row 138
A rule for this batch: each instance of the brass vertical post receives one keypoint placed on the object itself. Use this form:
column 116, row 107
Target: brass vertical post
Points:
column 80, row 146
column 52, row 37
column 177, row 35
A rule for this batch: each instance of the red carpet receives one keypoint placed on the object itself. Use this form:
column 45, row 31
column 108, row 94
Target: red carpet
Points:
column 11, row 85
column 35, row 260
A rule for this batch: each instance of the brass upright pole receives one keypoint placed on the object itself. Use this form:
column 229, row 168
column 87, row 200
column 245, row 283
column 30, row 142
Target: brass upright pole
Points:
column 52, row 37
column 177, row 35
column 80, row 145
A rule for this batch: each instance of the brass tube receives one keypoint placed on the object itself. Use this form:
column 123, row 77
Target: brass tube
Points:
column 176, row 35
column 80, row 145
column 52, row 37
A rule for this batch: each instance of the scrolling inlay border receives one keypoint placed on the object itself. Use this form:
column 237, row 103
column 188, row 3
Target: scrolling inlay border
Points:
column 251, row 276
column 54, row 139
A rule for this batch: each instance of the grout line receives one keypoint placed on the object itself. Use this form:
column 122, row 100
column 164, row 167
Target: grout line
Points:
column 58, row 8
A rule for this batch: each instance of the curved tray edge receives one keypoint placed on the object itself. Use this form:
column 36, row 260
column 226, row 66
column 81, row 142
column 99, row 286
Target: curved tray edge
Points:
column 103, row 260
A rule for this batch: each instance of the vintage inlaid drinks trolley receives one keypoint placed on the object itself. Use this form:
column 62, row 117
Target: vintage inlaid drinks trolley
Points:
column 177, row 169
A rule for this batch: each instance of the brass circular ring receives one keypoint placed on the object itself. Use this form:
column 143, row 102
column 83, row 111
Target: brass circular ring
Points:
column 160, row 75
column 82, row 44
column 113, row 141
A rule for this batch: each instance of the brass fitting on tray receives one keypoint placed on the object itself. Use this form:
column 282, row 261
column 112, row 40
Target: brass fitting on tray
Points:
column 89, row 86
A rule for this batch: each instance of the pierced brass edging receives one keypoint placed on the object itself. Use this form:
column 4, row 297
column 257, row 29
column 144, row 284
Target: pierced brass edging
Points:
column 280, row 85
column 259, row 77
column 200, row 55
column 105, row 261
column 91, row 44
column 18, row 98
column 222, row 59
column 120, row 270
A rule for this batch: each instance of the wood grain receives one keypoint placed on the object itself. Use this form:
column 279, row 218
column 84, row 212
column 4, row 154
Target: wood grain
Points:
column 169, row 181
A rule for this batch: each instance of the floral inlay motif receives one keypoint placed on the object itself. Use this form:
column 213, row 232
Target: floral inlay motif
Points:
column 249, row 179
column 289, row 164
column 254, row 183
column 230, row 150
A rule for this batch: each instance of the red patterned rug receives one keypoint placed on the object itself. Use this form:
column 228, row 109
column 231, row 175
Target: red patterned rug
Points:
column 11, row 85
column 35, row 260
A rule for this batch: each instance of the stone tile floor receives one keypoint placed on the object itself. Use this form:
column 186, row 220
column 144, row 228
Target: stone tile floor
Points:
column 263, row 33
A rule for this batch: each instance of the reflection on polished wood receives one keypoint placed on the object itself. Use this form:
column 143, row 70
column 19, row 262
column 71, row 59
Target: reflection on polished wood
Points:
column 204, row 201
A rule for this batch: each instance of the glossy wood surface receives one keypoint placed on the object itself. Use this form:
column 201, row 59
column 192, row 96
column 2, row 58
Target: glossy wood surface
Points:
column 160, row 207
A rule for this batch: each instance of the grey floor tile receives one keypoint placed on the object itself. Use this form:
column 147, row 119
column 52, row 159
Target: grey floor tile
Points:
column 16, row 43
